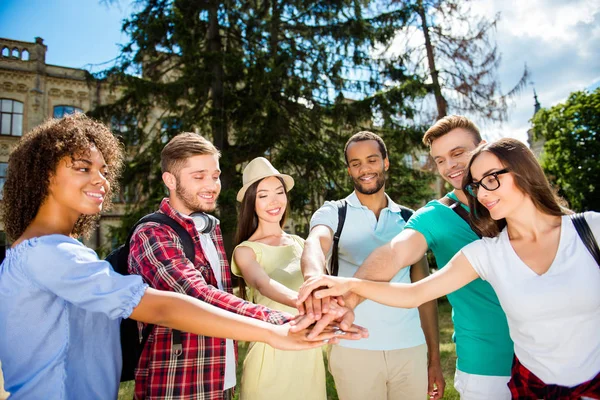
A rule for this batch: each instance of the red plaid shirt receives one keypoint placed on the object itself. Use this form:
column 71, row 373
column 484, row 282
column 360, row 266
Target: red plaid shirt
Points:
column 199, row 372
column 524, row 385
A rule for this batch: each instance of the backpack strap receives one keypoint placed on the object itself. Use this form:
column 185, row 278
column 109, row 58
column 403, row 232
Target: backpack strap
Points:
column 190, row 253
column 586, row 235
column 457, row 208
column 406, row 213
column 186, row 239
column 342, row 207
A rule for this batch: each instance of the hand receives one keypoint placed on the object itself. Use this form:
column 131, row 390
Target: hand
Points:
column 436, row 382
column 337, row 286
column 288, row 337
column 313, row 307
column 340, row 316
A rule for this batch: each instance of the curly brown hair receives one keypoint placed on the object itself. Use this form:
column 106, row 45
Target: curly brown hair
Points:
column 35, row 159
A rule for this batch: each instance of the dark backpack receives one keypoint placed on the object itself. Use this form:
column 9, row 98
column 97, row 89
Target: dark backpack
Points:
column 342, row 205
column 132, row 343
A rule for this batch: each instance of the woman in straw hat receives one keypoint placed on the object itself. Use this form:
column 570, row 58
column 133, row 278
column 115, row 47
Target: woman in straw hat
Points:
column 268, row 259
column 61, row 306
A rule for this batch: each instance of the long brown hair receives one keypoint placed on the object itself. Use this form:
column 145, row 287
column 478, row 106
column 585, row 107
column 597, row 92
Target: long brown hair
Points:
column 528, row 176
column 248, row 222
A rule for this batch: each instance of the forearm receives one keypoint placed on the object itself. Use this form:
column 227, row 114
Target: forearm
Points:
column 278, row 292
column 428, row 312
column 187, row 314
column 313, row 262
column 401, row 295
column 380, row 265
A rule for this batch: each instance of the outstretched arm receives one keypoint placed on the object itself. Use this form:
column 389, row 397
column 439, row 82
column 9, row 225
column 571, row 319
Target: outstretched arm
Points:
column 456, row 274
column 407, row 248
column 187, row 314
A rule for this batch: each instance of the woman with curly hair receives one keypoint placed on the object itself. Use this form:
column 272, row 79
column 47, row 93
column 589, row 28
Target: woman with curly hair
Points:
column 60, row 306
column 546, row 278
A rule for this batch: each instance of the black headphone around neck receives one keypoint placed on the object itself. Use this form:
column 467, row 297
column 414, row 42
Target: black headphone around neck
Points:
column 204, row 223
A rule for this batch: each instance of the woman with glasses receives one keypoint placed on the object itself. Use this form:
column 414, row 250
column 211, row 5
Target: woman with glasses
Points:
column 546, row 279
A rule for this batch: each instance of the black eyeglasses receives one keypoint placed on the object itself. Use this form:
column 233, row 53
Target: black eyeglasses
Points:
column 489, row 182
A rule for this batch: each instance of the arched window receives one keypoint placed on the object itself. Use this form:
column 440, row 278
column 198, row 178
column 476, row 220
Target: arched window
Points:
column 12, row 117
column 25, row 55
column 16, row 53
column 5, row 52
column 61, row 111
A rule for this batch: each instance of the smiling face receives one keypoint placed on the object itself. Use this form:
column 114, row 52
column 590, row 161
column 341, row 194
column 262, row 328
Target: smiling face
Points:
column 196, row 186
column 451, row 153
column 366, row 166
column 507, row 198
column 271, row 200
column 79, row 184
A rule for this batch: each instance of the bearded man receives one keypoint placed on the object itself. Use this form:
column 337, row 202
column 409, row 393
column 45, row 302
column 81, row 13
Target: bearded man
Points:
column 180, row 365
column 400, row 359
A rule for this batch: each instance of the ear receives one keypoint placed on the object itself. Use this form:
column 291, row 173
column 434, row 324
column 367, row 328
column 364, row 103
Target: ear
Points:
column 386, row 164
column 483, row 141
column 170, row 181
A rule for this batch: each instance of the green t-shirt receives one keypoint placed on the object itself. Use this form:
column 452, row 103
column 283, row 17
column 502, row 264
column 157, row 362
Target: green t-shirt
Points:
column 483, row 345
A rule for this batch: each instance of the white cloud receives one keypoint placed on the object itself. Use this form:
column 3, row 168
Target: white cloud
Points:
column 559, row 41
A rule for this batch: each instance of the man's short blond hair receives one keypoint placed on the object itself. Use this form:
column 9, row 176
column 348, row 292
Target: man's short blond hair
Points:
column 183, row 146
column 448, row 123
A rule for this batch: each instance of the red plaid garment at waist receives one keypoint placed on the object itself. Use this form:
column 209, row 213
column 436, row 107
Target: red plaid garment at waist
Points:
column 524, row 385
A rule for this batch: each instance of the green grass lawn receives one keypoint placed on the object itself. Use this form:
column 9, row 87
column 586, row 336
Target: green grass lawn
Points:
column 447, row 351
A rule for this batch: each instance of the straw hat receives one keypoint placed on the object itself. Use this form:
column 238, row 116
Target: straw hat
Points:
column 258, row 169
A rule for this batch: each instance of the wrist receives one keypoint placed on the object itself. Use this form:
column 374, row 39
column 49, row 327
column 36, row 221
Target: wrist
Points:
column 433, row 359
column 276, row 332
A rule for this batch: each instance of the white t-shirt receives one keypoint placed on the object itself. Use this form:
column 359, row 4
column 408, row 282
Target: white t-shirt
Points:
column 554, row 318
column 210, row 250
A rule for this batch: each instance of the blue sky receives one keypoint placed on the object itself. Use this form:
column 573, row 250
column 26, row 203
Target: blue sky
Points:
column 558, row 39
column 78, row 33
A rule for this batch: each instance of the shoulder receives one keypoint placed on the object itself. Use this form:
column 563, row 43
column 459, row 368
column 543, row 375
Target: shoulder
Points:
column 57, row 248
column 432, row 211
column 247, row 250
column 244, row 255
column 326, row 215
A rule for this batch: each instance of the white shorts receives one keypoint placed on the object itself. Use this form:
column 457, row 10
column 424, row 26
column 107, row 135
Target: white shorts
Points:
column 481, row 387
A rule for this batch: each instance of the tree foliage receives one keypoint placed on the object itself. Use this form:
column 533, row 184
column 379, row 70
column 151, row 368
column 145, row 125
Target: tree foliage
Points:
column 458, row 55
column 262, row 78
column 570, row 157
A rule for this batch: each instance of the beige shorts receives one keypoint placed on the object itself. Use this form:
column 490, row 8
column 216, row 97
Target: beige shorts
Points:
column 379, row 375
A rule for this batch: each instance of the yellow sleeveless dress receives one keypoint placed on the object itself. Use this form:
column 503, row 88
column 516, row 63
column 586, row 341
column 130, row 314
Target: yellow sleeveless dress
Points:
column 271, row 374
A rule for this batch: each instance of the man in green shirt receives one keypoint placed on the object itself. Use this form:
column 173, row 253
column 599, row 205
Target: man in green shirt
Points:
column 483, row 346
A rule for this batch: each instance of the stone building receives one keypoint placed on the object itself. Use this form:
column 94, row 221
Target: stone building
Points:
column 32, row 91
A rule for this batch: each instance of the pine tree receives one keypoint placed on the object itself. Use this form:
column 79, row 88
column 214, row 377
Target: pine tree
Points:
column 260, row 78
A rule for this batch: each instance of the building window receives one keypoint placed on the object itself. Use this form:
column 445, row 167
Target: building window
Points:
column 12, row 117
column 3, row 168
column 5, row 52
column 61, row 111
